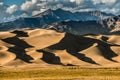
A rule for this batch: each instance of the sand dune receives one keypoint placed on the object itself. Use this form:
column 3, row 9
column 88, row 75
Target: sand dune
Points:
column 41, row 47
column 41, row 38
column 6, row 57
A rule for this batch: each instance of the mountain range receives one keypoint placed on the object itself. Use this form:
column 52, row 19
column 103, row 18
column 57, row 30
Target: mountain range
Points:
column 106, row 26
column 49, row 17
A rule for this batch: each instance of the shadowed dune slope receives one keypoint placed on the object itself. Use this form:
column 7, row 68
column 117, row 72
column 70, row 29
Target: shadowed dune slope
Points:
column 40, row 47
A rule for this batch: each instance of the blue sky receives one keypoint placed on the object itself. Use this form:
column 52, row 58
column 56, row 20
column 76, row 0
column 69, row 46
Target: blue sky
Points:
column 11, row 2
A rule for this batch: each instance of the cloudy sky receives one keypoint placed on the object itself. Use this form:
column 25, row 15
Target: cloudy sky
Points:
column 12, row 9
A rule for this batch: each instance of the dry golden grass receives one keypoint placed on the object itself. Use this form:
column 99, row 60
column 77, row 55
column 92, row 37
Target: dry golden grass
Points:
column 69, row 73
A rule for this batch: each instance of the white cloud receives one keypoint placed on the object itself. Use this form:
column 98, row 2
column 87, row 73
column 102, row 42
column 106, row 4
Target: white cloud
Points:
column 34, row 1
column 79, row 1
column 7, row 12
column 72, row 0
column 107, row 2
column 113, row 10
column 29, row 5
column 1, row 3
column 11, row 9
column 34, row 6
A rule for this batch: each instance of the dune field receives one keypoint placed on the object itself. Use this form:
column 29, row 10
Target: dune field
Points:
column 42, row 48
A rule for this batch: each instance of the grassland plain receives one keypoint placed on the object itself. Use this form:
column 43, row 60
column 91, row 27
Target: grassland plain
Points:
column 61, row 73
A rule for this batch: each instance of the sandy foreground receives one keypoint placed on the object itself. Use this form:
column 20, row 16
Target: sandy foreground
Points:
column 47, row 48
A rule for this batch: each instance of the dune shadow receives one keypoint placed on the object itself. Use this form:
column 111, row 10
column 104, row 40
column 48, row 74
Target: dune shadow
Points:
column 107, row 52
column 19, row 48
column 74, row 44
column 82, row 57
column 16, row 41
column 20, row 33
column 50, row 58
column 20, row 53
column 104, row 38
